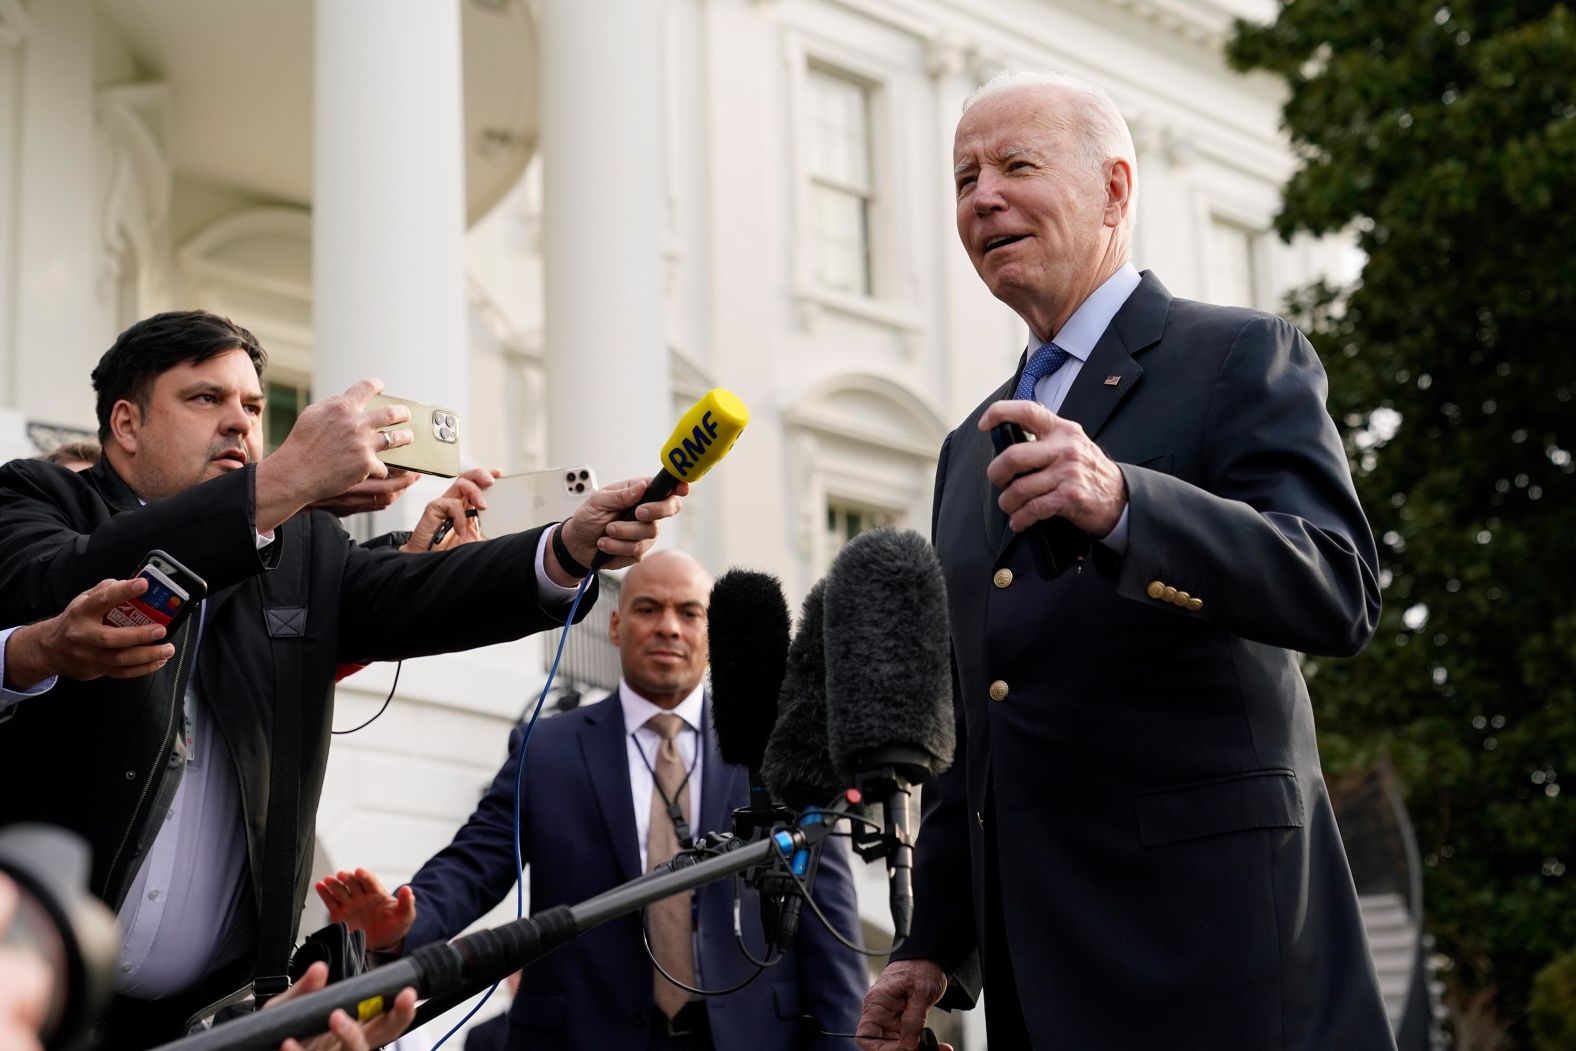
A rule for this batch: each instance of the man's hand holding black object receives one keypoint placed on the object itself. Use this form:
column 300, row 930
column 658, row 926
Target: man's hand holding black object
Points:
column 77, row 643
column 344, row 1033
column 1063, row 474
column 333, row 446
column 895, row 1007
column 596, row 527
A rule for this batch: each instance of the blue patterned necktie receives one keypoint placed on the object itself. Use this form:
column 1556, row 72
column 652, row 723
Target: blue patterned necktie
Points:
column 1042, row 363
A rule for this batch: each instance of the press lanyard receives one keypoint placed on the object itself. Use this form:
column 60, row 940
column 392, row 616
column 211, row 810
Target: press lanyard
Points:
column 675, row 813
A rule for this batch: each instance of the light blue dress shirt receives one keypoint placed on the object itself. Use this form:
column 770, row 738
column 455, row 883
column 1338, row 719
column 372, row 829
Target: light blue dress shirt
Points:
column 1078, row 338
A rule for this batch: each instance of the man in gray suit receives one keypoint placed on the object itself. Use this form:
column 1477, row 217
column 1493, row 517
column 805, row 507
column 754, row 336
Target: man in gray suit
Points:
column 1136, row 849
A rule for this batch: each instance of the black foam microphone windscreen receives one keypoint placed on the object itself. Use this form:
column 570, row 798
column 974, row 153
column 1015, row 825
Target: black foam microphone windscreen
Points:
column 747, row 629
column 797, row 768
column 888, row 669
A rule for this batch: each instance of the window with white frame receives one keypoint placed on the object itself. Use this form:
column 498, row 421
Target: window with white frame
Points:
column 846, row 520
column 1233, row 259
column 842, row 187
column 283, row 401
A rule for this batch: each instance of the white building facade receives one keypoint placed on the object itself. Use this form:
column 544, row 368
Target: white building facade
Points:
column 567, row 218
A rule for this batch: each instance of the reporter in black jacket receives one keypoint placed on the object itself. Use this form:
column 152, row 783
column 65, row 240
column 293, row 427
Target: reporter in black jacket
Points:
column 179, row 405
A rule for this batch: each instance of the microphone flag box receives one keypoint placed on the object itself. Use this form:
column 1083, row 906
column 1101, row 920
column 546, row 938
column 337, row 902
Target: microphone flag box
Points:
column 157, row 605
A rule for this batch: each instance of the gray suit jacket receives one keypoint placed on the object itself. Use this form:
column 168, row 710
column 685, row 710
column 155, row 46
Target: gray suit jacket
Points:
column 1170, row 873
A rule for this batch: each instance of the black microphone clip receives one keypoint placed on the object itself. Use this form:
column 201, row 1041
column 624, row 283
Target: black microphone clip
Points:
column 754, row 822
column 885, row 776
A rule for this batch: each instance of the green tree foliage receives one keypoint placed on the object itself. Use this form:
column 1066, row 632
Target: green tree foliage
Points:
column 1444, row 135
column 1552, row 1009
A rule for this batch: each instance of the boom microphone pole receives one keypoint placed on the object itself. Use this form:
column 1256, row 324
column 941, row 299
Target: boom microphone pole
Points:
column 459, row 969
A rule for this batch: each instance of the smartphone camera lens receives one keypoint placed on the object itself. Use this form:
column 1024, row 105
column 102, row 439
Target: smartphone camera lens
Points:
column 584, row 475
column 580, row 487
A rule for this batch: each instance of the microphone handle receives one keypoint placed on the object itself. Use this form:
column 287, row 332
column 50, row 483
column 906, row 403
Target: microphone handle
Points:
column 660, row 488
column 900, row 860
column 788, row 925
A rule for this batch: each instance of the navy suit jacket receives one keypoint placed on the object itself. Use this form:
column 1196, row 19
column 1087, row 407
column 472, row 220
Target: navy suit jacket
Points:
column 1167, row 862
column 577, row 835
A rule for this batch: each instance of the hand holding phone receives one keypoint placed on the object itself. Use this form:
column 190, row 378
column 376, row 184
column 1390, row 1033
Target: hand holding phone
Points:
column 518, row 502
column 172, row 592
column 1056, row 542
column 435, row 443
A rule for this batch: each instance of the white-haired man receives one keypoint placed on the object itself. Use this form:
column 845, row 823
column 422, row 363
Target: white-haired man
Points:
column 1136, row 848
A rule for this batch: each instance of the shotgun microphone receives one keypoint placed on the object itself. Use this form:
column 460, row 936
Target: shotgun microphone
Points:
column 889, row 686
column 702, row 438
column 797, row 768
column 747, row 635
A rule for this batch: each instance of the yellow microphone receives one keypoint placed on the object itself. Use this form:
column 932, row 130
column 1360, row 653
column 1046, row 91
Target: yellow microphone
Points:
column 702, row 438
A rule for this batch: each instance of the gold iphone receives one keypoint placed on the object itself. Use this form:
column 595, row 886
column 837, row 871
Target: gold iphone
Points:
column 435, row 447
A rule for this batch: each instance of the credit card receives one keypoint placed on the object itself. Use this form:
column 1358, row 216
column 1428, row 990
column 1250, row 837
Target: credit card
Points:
column 157, row 605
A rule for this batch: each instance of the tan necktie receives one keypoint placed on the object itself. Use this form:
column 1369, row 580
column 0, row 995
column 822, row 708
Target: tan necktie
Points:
column 669, row 919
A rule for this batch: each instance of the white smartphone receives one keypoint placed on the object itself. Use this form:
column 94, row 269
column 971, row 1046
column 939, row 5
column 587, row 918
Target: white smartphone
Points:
column 517, row 502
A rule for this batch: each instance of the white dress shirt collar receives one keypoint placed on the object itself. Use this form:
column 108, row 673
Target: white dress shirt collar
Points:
column 637, row 710
column 1093, row 316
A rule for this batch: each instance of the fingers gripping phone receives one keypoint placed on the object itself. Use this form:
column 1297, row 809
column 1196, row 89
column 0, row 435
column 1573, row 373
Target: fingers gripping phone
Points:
column 173, row 590
column 435, row 442
column 518, row 502
column 1056, row 542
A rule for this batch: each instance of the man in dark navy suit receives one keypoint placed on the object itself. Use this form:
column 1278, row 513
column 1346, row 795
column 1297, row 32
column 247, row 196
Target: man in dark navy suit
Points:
column 610, row 790
column 1137, row 847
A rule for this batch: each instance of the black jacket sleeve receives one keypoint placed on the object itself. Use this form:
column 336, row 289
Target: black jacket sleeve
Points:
column 1274, row 538
column 394, row 604
column 60, row 539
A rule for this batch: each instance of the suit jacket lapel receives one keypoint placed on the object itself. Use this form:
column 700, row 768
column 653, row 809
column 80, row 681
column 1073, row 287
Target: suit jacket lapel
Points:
column 607, row 768
column 1137, row 326
column 983, row 449
column 720, row 784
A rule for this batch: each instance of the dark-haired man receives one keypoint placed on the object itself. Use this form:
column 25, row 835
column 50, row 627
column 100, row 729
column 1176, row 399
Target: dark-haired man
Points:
column 196, row 785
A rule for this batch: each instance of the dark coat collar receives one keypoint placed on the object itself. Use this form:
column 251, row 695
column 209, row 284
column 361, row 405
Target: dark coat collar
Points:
column 1136, row 327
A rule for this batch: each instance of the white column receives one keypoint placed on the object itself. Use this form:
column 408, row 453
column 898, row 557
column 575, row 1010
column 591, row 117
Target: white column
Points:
column 59, row 322
column 603, row 220
column 388, row 201
column 13, row 41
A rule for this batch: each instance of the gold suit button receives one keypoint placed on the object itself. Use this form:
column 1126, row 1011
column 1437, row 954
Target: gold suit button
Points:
column 1195, row 604
column 1003, row 578
column 1156, row 589
column 1169, row 594
column 1182, row 598
column 998, row 691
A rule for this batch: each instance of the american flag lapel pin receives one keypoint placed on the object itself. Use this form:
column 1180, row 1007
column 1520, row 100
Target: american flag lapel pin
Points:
column 1113, row 380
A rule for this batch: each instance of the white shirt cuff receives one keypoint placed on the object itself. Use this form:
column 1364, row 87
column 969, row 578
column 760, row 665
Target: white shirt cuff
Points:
column 546, row 586
column 9, row 698
column 264, row 539
column 1116, row 539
